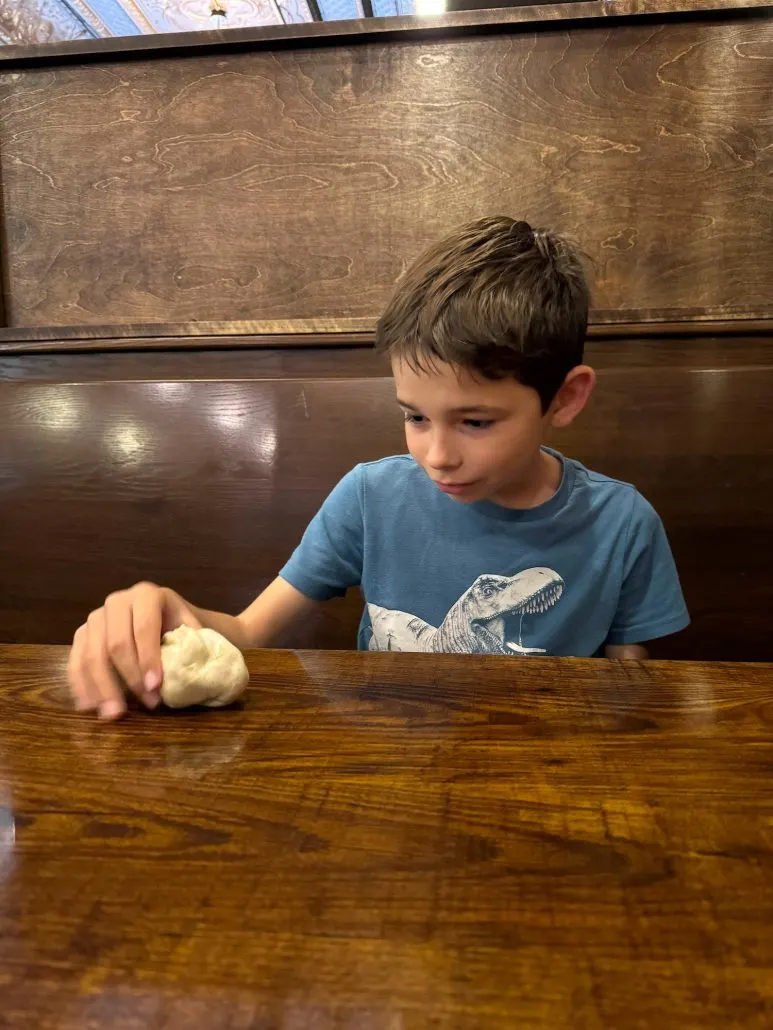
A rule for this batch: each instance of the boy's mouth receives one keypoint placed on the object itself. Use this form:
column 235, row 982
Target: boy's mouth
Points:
column 453, row 488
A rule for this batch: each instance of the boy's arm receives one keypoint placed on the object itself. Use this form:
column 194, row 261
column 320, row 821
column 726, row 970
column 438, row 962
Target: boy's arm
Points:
column 651, row 603
column 626, row 651
column 277, row 609
column 325, row 564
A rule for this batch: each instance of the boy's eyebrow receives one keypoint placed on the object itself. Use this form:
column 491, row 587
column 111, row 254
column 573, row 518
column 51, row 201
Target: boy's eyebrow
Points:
column 487, row 409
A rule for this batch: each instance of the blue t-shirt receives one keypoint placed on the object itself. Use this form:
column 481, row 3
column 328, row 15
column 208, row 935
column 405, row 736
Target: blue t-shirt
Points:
column 589, row 567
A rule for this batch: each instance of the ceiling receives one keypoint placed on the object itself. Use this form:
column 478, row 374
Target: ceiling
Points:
column 49, row 21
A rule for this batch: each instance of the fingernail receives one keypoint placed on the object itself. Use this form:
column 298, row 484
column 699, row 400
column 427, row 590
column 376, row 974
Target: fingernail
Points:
column 110, row 709
column 151, row 681
column 151, row 700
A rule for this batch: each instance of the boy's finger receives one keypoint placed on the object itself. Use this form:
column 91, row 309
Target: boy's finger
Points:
column 187, row 618
column 119, row 633
column 84, row 693
column 92, row 693
column 97, row 665
column 122, row 648
column 146, row 622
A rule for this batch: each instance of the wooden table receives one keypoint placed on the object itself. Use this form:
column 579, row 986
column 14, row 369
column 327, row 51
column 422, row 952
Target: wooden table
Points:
column 389, row 842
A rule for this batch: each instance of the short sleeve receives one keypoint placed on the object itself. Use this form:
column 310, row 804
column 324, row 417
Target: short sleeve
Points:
column 651, row 602
column 328, row 559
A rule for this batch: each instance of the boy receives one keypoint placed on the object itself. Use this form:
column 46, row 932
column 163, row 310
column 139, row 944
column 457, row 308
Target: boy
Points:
column 481, row 539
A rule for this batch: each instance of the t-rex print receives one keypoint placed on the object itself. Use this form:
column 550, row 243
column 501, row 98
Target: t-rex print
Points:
column 480, row 621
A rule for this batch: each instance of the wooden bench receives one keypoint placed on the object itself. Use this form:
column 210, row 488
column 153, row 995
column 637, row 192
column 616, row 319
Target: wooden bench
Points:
column 207, row 486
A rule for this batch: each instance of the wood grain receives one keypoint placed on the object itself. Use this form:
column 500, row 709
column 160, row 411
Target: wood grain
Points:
column 298, row 182
column 384, row 841
column 208, row 486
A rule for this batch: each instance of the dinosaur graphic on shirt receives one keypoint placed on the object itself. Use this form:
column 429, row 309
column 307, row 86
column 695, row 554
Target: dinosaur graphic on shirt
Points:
column 481, row 620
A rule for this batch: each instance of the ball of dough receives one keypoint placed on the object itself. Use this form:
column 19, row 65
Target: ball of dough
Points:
column 201, row 667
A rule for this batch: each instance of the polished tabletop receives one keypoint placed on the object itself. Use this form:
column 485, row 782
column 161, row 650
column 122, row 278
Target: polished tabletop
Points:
column 389, row 842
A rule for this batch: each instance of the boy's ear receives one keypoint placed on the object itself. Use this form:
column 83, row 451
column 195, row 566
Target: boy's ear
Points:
column 572, row 396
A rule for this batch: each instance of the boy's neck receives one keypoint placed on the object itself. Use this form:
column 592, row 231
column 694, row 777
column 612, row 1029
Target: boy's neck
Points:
column 539, row 485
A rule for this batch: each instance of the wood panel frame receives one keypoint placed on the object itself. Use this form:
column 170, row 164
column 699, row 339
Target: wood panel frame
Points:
column 548, row 17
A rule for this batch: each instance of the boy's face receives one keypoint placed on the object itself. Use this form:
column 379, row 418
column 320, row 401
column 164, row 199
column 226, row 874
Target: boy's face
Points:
column 477, row 439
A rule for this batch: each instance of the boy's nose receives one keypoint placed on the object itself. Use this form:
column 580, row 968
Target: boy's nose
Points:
column 441, row 457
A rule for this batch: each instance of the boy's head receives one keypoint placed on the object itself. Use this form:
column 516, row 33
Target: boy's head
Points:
column 496, row 298
column 492, row 317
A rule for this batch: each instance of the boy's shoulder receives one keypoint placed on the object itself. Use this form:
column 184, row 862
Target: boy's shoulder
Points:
column 598, row 482
column 607, row 491
column 391, row 464
column 385, row 471
column 381, row 482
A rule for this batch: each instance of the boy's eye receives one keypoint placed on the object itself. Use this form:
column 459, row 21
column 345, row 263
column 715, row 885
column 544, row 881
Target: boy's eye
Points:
column 414, row 419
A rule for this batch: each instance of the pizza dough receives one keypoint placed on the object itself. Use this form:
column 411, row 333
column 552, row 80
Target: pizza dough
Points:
column 201, row 667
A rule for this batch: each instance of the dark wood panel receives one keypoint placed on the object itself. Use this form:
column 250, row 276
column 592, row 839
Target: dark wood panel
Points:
column 424, row 27
column 257, row 363
column 300, row 333
column 207, row 487
column 384, row 841
column 141, row 459
column 698, row 353
column 297, row 183
column 336, row 362
column 697, row 443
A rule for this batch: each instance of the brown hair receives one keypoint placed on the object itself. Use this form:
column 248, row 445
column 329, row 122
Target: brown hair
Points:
column 497, row 298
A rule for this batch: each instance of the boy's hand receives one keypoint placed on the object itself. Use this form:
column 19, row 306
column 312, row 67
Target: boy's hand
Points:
column 122, row 640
